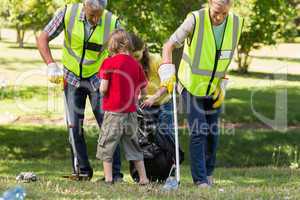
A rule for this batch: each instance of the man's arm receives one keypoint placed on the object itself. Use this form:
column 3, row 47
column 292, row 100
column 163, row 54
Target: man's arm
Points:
column 168, row 51
column 44, row 49
column 52, row 30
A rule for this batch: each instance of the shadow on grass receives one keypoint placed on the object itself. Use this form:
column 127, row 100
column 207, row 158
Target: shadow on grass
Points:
column 269, row 76
column 243, row 149
column 33, row 143
column 247, row 148
column 238, row 107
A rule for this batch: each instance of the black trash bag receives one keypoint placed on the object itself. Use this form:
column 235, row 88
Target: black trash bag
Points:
column 158, row 150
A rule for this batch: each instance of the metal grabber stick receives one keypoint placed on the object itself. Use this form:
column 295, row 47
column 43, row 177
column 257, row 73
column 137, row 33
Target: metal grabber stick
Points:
column 176, row 134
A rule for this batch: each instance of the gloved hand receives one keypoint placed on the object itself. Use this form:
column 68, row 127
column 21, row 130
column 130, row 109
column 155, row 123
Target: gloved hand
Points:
column 218, row 97
column 219, row 94
column 55, row 74
column 167, row 76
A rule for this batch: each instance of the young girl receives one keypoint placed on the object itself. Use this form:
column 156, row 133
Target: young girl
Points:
column 158, row 103
column 123, row 80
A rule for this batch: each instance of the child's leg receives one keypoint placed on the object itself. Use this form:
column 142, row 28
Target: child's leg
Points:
column 132, row 148
column 107, row 168
column 140, row 167
column 108, row 141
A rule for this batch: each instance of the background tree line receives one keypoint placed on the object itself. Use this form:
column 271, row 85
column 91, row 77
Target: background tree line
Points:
column 266, row 21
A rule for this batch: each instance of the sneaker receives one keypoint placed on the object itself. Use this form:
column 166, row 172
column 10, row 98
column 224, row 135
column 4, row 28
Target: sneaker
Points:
column 202, row 185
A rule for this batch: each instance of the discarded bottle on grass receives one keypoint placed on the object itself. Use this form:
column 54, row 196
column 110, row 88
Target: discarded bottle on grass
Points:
column 16, row 193
column 171, row 184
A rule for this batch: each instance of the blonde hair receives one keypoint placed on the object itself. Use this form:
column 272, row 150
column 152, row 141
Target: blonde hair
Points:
column 223, row 2
column 119, row 41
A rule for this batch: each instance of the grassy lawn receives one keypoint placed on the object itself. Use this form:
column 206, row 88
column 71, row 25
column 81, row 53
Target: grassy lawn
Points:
column 251, row 164
column 253, row 160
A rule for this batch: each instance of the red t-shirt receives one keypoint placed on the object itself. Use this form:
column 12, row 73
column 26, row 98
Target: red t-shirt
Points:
column 126, row 78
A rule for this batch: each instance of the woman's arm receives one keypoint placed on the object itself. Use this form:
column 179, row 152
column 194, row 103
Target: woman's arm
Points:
column 152, row 99
column 103, row 87
column 185, row 30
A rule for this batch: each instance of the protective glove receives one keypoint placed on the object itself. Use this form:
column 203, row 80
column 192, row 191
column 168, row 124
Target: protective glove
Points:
column 55, row 74
column 218, row 98
column 167, row 76
column 219, row 94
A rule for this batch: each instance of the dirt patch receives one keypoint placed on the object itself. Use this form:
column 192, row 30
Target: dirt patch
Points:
column 38, row 120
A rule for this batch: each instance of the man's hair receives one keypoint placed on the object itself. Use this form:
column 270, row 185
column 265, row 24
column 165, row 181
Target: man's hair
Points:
column 96, row 4
column 119, row 41
column 224, row 2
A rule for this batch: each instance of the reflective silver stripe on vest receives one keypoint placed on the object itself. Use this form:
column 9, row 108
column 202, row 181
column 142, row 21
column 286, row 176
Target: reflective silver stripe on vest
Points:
column 186, row 58
column 196, row 61
column 235, row 32
column 107, row 26
column 74, row 11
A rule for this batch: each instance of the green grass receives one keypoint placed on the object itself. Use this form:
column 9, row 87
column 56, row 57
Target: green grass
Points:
column 238, row 147
column 35, row 101
column 44, row 150
column 254, row 183
column 248, row 94
column 253, row 162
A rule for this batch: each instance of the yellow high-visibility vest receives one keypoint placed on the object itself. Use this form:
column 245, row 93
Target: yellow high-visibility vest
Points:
column 203, row 66
column 80, row 57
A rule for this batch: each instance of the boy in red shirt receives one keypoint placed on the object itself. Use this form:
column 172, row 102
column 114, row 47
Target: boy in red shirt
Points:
column 122, row 81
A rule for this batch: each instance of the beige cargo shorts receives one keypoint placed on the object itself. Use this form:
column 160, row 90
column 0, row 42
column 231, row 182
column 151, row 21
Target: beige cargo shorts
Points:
column 119, row 128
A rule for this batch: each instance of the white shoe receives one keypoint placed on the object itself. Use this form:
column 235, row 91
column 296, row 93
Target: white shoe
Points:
column 210, row 180
column 203, row 185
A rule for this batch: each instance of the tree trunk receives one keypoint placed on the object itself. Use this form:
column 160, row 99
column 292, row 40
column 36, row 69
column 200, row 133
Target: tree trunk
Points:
column 20, row 37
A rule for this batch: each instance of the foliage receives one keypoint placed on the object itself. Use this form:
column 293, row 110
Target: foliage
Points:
column 29, row 14
column 154, row 21
column 266, row 22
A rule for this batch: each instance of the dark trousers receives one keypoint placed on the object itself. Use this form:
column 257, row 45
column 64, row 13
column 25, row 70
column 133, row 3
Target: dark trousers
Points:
column 76, row 102
column 204, row 135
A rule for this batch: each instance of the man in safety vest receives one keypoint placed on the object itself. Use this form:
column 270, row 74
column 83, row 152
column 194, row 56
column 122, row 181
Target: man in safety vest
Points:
column 210, row 36
column 86, row 29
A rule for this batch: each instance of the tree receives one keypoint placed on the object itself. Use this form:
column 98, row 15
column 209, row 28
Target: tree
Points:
column 17, row 18
column 41, row 13
column 154, row 21
column 266, row 22
column 29, row 14
column 3, row 15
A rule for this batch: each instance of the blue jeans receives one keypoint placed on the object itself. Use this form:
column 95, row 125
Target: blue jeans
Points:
column 76, row 101
column 163, row 117
column 204, row 135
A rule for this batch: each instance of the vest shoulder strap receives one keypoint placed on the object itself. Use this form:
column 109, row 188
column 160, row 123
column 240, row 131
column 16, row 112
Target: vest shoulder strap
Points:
column 197, row 16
